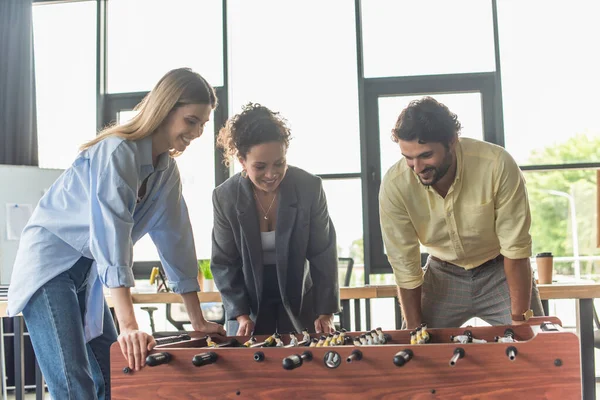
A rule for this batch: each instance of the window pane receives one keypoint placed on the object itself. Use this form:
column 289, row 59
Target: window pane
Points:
column 402, row 38
column 148, row 38
column 344, row 202
column 550, row 62
column 557, row 199
column 65, row 73
column 197, row 169
column 126, row 115
column 301, row 63
column 467, row 106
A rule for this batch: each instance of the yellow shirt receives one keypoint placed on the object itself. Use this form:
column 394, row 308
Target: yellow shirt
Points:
column 485, row 213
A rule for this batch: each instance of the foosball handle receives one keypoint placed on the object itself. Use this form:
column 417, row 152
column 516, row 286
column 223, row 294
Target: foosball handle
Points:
column 204, row 359
column 294, row 361
column 459, row 353
column 259, row 356
column 402, row 357
column 356, row 355
column 158, row 358
column 511, row 352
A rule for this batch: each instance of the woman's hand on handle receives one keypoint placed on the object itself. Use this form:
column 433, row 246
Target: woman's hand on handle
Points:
column 246, row 325
column 135, row 346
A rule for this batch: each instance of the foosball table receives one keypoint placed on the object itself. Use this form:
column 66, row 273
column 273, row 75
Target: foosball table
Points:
column 538, row 360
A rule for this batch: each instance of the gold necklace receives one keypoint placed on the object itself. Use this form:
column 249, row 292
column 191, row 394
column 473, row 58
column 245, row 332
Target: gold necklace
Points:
column 266, row 213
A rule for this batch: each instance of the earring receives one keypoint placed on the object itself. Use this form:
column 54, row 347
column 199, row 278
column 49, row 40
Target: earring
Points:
column 244, row 173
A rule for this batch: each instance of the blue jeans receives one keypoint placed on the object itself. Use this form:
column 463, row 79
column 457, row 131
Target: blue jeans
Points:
column 73, row 369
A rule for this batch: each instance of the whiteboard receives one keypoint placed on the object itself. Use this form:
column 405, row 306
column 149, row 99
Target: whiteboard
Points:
column 21, row 185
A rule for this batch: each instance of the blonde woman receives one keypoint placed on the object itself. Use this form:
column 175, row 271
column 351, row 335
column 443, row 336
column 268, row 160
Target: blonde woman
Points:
column 124, row 184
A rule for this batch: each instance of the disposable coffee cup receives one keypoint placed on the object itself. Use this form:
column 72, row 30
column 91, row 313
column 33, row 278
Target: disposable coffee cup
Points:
column 544, row 263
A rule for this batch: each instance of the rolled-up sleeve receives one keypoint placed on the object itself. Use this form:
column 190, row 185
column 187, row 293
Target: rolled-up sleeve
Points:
column 112, row 200
column 512, row 214
column 174, row 240
column 400, row 238
column 226, row 265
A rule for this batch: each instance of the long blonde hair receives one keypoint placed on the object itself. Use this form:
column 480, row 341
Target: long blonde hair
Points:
column 178, row 87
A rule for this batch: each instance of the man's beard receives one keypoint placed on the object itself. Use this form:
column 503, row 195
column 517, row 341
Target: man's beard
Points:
column 438, row 172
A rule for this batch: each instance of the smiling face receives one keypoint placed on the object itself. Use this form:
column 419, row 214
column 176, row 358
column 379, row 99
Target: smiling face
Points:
column 181, row 127
column 430, row 161
column 266, row 165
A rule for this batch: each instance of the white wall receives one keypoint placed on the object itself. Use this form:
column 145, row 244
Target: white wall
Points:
column 21, row 185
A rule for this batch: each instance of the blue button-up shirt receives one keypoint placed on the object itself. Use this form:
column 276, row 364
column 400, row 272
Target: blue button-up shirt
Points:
column 93, row 210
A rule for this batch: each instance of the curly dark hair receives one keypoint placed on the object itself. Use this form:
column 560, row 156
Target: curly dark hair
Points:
column 426, row 120
column 256, row 124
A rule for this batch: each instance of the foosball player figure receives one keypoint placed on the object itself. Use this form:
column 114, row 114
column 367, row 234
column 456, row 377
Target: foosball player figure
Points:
column 313, row 342
column 334, row 339
column 321, row 341
column 382, row 338
column 472, row 339
column 419, row 336
column 327, row 342
column 363, row 340
column 413, row 337
column 270, row 341
column 293, row 339
column 278, row 341
column 509, row 337
column 356, row 341
column 209, row 341
column 342, row 337
column 424, row 333
column 306, row 336
column 461, row 338
column 374, row 337
column 250, row 342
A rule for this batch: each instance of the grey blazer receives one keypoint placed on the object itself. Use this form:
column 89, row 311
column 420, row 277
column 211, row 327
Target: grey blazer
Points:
column 305, row 244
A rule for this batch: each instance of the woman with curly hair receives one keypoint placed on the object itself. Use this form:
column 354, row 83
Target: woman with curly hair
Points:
column 274, row 253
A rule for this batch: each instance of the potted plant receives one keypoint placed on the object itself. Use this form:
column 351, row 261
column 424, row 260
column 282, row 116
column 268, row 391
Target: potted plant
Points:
column 205, row 278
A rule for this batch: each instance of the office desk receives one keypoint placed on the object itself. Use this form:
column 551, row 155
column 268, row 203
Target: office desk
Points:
column 583, row 293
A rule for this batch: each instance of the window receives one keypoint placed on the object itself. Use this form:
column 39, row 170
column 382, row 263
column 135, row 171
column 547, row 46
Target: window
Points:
column 344, row 204
column 404, row 38
column 550, row 80
column 563, row 220
column 65, row 74
column 147, row 39
column 287, row 56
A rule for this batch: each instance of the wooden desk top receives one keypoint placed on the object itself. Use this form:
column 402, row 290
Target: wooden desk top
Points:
column 547, row 292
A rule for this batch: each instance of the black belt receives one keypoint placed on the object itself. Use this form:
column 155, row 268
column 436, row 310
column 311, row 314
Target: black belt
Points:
column 496, row 259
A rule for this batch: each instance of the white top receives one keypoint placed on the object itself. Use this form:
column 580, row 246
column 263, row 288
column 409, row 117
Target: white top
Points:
column 268, row 247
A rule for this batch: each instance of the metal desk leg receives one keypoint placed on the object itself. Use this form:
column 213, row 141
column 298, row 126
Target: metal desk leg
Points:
column 585, row 329
column 19, row 358
column 368, row 313
column 357, row 322
column 39, row 382
column 2, row 359
column 546, row 307
column 345, row 315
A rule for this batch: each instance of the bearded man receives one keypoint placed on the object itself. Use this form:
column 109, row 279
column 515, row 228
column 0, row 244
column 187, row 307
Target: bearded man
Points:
column 465, row 201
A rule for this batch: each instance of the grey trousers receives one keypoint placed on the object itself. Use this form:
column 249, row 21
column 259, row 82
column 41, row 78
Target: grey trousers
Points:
column 452, row 295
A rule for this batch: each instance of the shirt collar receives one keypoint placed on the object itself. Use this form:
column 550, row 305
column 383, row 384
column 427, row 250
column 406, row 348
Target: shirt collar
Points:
column 145, row 146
